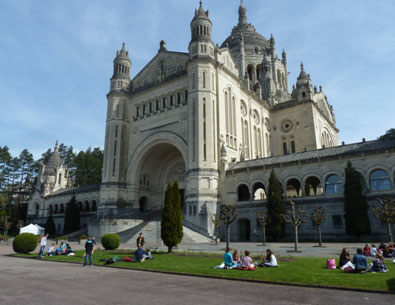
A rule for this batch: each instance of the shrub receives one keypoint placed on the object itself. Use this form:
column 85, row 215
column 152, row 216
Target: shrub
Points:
column 2, row 237
column 83, row 237
column 25, row 243
column 110, row 241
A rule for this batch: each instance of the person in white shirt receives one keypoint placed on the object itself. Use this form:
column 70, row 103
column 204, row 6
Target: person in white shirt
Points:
column 52, row 250
column 373, row 250
column 43, row 244
column 270, row 260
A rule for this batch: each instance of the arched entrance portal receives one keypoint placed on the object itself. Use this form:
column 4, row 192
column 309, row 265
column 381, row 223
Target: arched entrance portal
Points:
column 244, row 230
column 160, row 164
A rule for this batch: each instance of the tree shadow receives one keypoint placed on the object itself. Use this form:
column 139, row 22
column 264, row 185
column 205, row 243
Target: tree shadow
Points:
column 391, row 285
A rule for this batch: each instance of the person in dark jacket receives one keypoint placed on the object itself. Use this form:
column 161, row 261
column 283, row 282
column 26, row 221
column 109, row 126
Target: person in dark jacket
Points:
column 139, row 255
column 88, row 251
column 344, row 257
column 140, row 241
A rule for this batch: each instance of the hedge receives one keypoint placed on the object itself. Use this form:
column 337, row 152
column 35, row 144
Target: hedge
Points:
column 110, row 241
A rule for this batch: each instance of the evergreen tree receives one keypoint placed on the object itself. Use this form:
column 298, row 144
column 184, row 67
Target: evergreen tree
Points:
column 50, row 226
column 88, row 166
column 171, row 224
column 355, row 204
column 71, row 217
column 275, row 208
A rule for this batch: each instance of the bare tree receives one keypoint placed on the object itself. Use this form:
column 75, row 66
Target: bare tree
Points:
column 6, row 224
column 318, row 216
column 385, row 213
column 215, row 219
column 228, row 215
column 264, row 220
column 295, row 218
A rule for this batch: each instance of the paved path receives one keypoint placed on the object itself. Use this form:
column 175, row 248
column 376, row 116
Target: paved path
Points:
column 24, row 281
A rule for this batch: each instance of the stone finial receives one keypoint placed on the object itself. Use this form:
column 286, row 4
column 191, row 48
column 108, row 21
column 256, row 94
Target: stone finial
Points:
column 162, row 46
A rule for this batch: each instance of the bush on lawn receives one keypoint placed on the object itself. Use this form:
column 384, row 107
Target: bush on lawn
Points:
column 25, row 243
column 110, row 241
column 2, row 237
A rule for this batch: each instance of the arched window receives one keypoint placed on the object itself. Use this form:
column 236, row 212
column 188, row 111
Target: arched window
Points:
column 94, row 207
column 61, row 209
column 50, row 209
column 243, row 193
column 379, row 181
column 313, row 186
column 37, row 209
column 87, row 206
column 334, row 185
column 56, row 211
column 293, row 188
column 259, row 191
column 79, row 206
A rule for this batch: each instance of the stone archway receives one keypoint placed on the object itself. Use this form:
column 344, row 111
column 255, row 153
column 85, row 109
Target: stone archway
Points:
column 158, row 165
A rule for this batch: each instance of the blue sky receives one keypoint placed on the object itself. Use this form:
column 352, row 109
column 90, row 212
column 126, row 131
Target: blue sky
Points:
column 56, row 59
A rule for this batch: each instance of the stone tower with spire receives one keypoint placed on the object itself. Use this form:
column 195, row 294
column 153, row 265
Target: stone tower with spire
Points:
column 202, row 100
column 116, row 140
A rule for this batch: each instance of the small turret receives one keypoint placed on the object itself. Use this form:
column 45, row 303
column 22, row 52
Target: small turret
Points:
column 304, row 89
column 122, row 64
column 201, row 42
column 284, row 57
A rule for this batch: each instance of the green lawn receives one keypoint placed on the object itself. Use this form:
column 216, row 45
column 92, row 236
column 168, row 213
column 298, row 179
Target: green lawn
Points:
column 297, row 270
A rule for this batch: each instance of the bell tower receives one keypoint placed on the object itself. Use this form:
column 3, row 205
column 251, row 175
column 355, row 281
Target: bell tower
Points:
column 202, row 173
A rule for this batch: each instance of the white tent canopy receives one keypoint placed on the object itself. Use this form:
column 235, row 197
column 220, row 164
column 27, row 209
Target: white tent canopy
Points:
column 34, row 229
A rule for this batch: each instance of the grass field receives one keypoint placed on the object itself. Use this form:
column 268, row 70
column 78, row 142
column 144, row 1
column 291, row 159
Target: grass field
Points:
column 296, row 270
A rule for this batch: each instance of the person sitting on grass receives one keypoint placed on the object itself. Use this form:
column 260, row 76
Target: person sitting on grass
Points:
column 270, row 260
column 378, row 264
column 344, row 257
column 360, row 262
column 61, row 248
column 68, row 250
column 228, row 258
column 147, row 254
column 139, row 255
column 246, row 262
column 51, row 250
column 373, row 250
column 366, row 250
column 236, row 257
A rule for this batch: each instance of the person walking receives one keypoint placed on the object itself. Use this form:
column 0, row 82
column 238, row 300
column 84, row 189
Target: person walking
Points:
column 88, row 251
column 140, row 241
column 43, row 244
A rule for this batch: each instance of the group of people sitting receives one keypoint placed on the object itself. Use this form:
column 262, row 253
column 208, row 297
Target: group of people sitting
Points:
column 246, row 263
column 64, row 249
column 359, row 263
column 383, row 249
column 140, row 255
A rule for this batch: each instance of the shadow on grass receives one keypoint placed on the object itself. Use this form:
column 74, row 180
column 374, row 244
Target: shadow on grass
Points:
column 391, row 285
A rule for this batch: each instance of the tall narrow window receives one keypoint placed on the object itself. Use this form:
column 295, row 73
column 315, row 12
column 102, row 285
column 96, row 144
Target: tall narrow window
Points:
column 186, row 96
column 179, row 98
column 212, row 81
column 60, row 178
column 137, row 111
column 171, row 100
column 226, row 113
column 164, row 103
column 293, row 146
column 115, row 148
column 116, row 130
column 204, row 130
column 150, row 107
column 204, row 79
column 157, row 105
column 143, row 110
column 284, row 148
column 113, row 167
column 234, row 117
column 117, row 110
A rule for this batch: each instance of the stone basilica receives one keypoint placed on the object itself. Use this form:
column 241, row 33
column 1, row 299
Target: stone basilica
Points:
column 217, row 120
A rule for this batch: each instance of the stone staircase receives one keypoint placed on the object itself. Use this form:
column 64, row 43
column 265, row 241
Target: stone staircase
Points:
column 151, row 233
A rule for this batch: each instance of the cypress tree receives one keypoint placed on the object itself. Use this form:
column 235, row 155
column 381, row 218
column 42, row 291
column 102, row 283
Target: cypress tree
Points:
column 50, row 226
column 275, row 208
column 355, row 204
column 171, row 224
column 71, row 217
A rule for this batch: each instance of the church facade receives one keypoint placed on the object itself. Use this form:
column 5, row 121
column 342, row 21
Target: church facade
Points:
column 218, row 119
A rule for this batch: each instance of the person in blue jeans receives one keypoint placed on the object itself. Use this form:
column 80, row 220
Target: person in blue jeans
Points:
column 360, row 262
column 88, row 251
